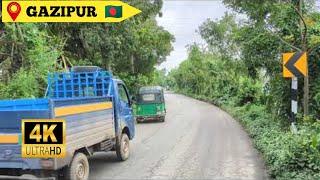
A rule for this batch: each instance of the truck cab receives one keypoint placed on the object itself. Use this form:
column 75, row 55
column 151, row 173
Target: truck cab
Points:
column 97, row 110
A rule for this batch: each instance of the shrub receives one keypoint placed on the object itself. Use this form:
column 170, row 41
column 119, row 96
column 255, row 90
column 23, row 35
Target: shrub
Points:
column 23, row 84
column 287, row 155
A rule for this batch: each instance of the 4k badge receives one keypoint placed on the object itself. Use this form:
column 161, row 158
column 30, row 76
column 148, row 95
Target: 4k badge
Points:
column 43, row 138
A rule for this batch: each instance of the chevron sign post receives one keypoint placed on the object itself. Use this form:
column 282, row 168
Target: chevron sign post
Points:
column 294, row 66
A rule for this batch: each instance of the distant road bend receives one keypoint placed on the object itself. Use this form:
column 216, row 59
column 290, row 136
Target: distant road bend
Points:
column 198, row 140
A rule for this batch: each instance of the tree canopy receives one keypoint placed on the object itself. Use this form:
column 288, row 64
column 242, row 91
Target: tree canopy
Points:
column 130, row 49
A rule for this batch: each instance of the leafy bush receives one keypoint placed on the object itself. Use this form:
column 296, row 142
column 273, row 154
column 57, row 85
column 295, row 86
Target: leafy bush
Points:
column 23, row 84
column 134, row 82
column 249, row 91
column 288, row 156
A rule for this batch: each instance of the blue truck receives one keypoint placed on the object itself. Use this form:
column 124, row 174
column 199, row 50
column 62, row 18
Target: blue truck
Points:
column 97, row 110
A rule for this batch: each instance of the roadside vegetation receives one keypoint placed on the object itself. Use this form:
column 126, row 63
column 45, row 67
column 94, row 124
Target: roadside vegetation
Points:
column 129, row 49
column 240, row 70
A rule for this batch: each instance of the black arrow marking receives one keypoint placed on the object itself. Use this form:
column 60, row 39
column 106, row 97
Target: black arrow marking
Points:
column 291, row 62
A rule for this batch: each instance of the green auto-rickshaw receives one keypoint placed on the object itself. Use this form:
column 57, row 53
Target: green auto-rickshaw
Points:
column 150, row 104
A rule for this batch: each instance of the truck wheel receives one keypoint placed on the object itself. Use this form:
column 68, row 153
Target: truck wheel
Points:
column 79, row 168
column 123, row 149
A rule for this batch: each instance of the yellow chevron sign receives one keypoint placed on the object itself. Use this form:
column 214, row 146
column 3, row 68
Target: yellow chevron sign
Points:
column 295, row 64
column 66, row 11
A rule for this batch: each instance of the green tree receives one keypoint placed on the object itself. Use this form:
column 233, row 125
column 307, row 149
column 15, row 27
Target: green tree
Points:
column 130, row 49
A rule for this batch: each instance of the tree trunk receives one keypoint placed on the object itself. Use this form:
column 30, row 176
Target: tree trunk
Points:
column 306, row 78
column 132, row 64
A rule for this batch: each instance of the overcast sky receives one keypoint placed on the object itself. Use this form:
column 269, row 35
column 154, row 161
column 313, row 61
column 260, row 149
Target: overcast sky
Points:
column 182, row 19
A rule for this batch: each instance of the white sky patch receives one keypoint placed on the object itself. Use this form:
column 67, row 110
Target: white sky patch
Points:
column 182, row 19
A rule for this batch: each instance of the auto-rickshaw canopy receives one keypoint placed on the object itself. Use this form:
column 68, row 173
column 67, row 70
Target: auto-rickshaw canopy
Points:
column 150, row 94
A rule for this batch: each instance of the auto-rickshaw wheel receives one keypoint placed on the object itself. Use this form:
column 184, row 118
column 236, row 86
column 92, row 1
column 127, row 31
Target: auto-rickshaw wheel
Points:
column 163, row 119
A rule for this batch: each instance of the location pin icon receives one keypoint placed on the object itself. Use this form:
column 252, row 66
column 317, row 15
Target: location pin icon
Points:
column 14, row 9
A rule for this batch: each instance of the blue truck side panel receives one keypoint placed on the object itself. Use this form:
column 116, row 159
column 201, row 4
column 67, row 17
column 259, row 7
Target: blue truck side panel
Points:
column 24, row 104
column 11, row 114
column 13, row 111
column 83, row 129
column 86, row 129
column 14, row 160
column 15, row 117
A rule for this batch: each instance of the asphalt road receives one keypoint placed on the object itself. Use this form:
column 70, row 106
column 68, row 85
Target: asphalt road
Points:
column 198, row 140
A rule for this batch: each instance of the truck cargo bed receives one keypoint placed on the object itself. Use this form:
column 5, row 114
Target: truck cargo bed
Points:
column 89, row 121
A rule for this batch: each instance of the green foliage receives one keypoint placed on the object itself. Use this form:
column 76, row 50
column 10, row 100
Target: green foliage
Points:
column 28, row 56
column 23, row 84
column 157, row 78
column 129, row 49
column 249, row 91
column 271, row 28
column 220, row 35
column 134, row 46
column 193, row 78
column 287, row 155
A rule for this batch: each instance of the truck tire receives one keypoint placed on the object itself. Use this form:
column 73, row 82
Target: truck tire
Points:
column 79, row 168
column 123, row 149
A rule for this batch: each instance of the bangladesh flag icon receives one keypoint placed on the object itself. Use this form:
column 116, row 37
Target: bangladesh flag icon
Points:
column 114, row 11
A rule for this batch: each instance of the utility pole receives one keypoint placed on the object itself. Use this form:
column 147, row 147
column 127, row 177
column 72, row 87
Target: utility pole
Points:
column 294, row 104
column 304, row 49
